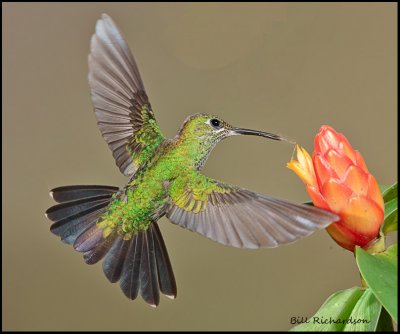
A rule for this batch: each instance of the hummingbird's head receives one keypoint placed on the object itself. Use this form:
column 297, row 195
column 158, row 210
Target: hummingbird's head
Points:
column 204, row 127
column 201, row 132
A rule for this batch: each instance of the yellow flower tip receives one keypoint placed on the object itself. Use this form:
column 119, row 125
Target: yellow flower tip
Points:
column 303, row 166
column 291, row 164
column 295, row 166
column 302, row 155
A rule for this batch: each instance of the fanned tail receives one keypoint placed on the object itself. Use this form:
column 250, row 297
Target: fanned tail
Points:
column 78, row 210
column 141, row 264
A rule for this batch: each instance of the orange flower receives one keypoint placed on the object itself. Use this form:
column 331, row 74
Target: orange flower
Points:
column 337, row 179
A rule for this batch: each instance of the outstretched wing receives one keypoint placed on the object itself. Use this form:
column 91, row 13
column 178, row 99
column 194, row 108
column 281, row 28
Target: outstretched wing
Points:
column 238, row 217
column 122, row 108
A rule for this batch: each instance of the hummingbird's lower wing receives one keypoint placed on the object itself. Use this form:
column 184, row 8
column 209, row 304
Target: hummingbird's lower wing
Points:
column 122, row 108
column 238, row 217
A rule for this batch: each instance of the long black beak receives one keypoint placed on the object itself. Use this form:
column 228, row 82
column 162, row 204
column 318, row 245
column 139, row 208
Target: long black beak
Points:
column 241, row 131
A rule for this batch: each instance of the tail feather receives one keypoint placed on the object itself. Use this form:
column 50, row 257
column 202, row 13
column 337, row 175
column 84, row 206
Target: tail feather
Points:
column 130, row 278
column 114, row 260
column 76, row 214
column 97, row 253
column 71, row 227
column 146, row 269
column 72, row 208
column 70, row 193
column 149, row 286
column 140, row 264
column 89, row 239
column 166, row 277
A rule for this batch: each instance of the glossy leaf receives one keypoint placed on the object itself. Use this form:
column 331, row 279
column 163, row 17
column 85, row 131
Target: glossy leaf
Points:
column 380, row 273
column 383, row 188
column 333, row 314
column 391, row 216
column 389, row 192
column 365, row 314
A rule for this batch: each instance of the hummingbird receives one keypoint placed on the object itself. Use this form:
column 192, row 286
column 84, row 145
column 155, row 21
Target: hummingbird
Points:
column 119, row 225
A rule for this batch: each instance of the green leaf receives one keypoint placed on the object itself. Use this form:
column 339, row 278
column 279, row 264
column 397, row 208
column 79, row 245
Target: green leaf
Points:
column 383, row 188
column 365, row 315
column 391, row 216
column 385, row 322
column 380, row 273
column 333, row 313
column 389, row 192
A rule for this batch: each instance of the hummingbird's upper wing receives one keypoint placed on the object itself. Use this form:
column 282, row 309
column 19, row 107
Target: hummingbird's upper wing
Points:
column 122, row 108
column 238, row 217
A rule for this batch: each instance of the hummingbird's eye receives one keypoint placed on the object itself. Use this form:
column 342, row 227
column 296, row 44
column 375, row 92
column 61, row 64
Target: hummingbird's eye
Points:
column 215, row 123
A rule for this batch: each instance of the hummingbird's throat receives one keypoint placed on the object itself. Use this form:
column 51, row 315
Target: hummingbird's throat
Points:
column 206, row 145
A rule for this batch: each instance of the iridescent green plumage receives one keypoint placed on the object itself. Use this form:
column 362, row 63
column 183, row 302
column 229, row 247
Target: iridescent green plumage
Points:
column 120, row 225
column 168, row 173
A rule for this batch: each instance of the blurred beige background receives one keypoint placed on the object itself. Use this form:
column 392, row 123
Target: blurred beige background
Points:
column 279, row 67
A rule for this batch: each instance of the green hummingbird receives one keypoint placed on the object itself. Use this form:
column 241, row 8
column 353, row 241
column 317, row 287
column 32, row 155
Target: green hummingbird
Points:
column 120, row 224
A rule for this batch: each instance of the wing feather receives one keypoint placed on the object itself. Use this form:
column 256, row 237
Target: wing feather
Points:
column 121, row 105
column 238, row 217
